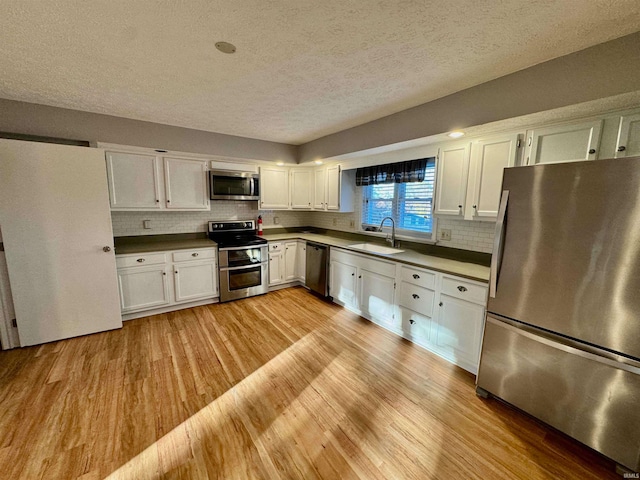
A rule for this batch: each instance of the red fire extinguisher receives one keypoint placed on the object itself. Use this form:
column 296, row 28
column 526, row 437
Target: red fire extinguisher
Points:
column 259, row 224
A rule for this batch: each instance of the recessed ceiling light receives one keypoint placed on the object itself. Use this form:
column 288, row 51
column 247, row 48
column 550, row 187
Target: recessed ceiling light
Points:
column 226, row 47
column 318, row 162
column 456, row 134
column 280, row 164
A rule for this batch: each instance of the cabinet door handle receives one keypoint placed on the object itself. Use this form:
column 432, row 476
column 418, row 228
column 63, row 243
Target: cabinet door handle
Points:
column 106, row 249
column 622, row 148
column 475, row 207
column 194, row 254
column 592, row 151
column 412, row 321
column 416, row 276
column 168, row 201
column 440, row 304
column 176, row 272
column 359, row 276
column 461, row 288
column 415, row 296
column 140, row 260
column 353, row 274
column 460, row 207
column 157, row 201
column 164, row 273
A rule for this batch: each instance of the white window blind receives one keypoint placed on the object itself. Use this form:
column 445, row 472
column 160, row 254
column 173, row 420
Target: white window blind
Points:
column 409, row 204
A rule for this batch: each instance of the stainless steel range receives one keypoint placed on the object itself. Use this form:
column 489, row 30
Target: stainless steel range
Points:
column 243, row 259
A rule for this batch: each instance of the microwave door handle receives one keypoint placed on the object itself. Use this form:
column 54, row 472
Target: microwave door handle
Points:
column 251, row 186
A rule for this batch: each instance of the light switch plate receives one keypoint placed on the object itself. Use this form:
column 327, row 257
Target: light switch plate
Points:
column 445, row 234
column 146, row 224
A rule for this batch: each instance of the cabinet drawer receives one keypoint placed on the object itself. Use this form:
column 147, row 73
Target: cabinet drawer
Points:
column 464, row 290
column 140, row 260
column 416, row 298
column 418, row 277
column 416, row 325
column 186, row 255
column 275, row 247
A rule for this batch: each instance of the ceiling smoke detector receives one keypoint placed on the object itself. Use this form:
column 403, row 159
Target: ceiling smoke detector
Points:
column 226, row 47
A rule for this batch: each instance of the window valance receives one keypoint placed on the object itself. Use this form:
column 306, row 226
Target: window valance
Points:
column 400, row 172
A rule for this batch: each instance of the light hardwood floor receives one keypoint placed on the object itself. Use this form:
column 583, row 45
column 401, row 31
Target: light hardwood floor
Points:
column 282, row 386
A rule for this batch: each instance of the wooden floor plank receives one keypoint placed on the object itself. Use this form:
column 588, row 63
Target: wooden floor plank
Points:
column 280, row 386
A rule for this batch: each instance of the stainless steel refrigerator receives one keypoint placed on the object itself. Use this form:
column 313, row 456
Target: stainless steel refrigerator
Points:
column 562, row 336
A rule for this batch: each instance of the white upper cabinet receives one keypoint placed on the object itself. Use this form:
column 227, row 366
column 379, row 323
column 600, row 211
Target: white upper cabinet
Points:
column 134, row 181
column 564, row 143
column 451, row 183
column 320, row 188
column 301, row 188
column 186, row 184
column 628, row 144
column 489, row 158
column 274, row 188
column 334, row 189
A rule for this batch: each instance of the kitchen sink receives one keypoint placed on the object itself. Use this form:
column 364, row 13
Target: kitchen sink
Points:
column 375, row 248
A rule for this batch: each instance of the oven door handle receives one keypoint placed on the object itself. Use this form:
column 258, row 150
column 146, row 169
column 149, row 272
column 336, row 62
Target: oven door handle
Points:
column 251, row 247
column 243, row 267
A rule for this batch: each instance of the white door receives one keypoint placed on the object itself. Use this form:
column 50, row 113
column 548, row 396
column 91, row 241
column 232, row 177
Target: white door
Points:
column 458, row 330
column 290, row 257
column 186, row 184
column 276, row 268
column 333, row 188
column 628, row 144
column 143, row 287
column 376, row 295
column 451, row 184
column 319, row 188
column 564, row 143
column 134, row 181
column 195, row 280
column 301, row 188
column 489, row 158
column 342, row 283
column 56, row 229
column 301, row 260
column 274, row 188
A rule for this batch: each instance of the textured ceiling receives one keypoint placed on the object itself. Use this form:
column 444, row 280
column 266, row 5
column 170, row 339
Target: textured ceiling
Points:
column 303, row 69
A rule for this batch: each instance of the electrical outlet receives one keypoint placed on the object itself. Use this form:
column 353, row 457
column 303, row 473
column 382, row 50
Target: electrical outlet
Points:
column 445, row 234
column 276, row 220
column 146, row 224
column 352, row 223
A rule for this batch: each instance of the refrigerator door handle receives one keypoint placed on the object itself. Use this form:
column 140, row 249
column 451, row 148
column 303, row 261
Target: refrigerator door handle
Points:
column 567, row 345
column 496, row 258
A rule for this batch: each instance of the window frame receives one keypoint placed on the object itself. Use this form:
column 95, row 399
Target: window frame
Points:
column 395, row 206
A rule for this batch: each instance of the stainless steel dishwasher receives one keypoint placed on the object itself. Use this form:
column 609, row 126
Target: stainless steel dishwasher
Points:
column 317, row 267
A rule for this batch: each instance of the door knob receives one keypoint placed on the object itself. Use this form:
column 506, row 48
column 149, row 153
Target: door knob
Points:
column 106, row 249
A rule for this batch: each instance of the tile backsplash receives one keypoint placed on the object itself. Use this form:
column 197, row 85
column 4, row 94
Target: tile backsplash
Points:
column 130, row 223
column 465, row 235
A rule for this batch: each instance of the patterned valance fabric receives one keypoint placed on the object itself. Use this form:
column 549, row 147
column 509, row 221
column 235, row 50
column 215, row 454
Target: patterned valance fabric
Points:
column 401, row 172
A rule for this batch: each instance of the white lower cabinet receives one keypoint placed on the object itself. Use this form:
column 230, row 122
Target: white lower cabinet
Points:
column 342, row 283
column 442, row 313
column 364, row 284
column 150, row 281
column 376, row 298
column 143, row 287
column 458, row 332
column 287, row 262
column 195, row 280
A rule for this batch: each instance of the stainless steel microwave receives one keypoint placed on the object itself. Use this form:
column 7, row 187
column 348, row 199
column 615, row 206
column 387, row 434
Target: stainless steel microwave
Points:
column 231, row 185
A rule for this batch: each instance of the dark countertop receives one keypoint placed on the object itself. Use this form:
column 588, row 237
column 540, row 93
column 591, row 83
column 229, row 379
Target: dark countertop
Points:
column 159, row 243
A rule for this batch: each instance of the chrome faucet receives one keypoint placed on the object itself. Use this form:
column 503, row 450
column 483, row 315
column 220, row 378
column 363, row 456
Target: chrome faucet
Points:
column 391, row 240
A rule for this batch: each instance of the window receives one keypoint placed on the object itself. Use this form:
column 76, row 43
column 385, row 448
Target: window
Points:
column 409, row 204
